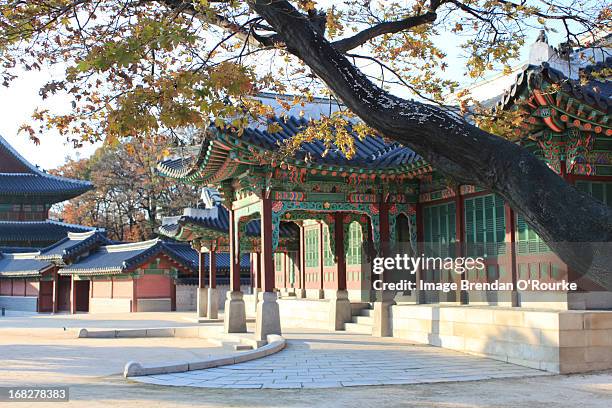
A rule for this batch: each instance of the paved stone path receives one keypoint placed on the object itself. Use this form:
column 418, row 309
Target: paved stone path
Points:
column 343, row 360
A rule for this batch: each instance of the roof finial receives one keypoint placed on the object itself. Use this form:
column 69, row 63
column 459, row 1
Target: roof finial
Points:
column 542, row 37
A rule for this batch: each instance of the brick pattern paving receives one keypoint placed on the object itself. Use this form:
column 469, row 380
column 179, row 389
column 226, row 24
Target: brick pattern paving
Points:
column 328, row 361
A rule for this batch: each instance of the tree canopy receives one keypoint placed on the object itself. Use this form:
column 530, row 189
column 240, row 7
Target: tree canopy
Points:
column 129, row 199
column 140, row 68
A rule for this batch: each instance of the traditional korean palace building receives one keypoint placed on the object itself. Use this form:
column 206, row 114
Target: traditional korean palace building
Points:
column 50, row 266
column 26, row 195
column 347, row 210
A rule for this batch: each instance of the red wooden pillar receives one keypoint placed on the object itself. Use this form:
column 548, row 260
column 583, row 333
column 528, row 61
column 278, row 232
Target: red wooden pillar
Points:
column 340, row 254
column 72, row 295
column 212, row 269
column 267, row 254
column 383, row 225
column 321, row 260
column 258, row 266
column 511, row 243
column 302, row 251
column 55, row 293
column 173, row 295
column 134, row 295
column 234, row 249
column 460, row 239
column 201, row 270
column 420, row 234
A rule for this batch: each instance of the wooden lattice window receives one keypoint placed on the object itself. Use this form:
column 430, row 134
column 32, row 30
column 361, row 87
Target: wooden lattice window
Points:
column 485, row 226
column 598, row 189
column 328, row 255
column 278, row 262
column 312, row 248
column 355, row 242
column 439, row 229
column 527, row 241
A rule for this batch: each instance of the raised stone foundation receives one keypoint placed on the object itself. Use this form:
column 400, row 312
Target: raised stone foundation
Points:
column 21, row 303
column 304, row 313
column 554, row 340
column 110, row 305
column 155, row 305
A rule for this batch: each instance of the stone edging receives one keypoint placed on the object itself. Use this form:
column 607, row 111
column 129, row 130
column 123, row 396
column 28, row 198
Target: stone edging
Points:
column 275, row 344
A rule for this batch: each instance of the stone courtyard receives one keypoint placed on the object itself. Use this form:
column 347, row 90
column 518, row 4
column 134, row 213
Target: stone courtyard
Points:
column 348, row 369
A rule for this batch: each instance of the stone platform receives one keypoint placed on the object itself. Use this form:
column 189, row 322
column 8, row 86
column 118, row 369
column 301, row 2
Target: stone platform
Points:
column 327, row 360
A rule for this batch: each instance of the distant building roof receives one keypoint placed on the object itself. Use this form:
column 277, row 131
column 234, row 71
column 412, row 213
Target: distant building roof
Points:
column 37, row 233
column 74, row 244
column 21, row 181
column 22, row 265
column 114, row 259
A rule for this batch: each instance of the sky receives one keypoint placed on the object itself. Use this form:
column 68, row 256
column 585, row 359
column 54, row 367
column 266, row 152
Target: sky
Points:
column 21, row 99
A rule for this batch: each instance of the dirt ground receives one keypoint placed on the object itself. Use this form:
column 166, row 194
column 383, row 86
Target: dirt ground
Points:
column 593, row 390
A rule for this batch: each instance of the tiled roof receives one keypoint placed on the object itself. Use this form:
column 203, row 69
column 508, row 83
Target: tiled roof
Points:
column 34, row 183
column 74, row 244
column 223, row 261
column 123, row 257
column 223, row 152
column 370, row 152
column 22, row 265
column 217, row 220
column 37, row 233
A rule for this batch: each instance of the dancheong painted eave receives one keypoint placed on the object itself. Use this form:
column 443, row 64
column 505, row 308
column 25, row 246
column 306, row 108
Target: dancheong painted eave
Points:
column 20, row 181
column 560, row 103
column 212, row 223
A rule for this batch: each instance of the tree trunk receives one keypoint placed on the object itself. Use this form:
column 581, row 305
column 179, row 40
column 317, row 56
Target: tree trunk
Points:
column 572, row 223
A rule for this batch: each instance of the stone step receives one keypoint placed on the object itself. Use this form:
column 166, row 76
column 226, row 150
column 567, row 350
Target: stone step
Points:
column 367, row 320
column 357, row 328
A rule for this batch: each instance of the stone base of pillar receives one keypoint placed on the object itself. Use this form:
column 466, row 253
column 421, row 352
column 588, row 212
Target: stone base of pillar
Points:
column 339, row 310
column 235, row 314
column 302, row 293
column 256, row 292
column 202, row 302
column 381, row 324
column 268, row 316
column 321, row 294
column 213, row 303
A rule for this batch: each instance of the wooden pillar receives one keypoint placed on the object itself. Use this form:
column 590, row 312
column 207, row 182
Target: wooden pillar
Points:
column 55, row 293
column 321, row 260
column 201, row 270
column 511, row 243
column 420, row 234
column 134, row 295
column 72, row 295
column 339, row 250
column 212, row 268
column 302, row 261
column 460, row 240
column 258, row 263
column 172, row 295
column 267, row 253
column 234, row 249
column 267, row 319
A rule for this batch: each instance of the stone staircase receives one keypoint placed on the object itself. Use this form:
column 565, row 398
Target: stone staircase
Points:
column 362, row 320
